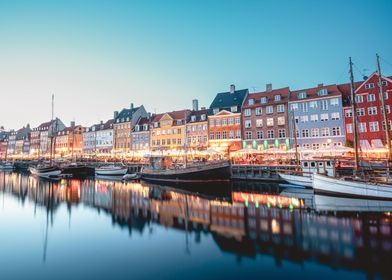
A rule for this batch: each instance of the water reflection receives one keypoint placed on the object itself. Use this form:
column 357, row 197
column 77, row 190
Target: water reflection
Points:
column 282, row 223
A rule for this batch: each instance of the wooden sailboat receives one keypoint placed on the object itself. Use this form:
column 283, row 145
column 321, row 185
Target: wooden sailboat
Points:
column 194, row 173
column 355, row 186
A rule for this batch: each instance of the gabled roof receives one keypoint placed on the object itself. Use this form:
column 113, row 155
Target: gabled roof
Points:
column 370, row 78
column 141, row 123
column 175, row 115
column 312, row 93
column 226, row 99
column 198, row 115
column 126, row 113
column 23, row 133
column 283, row 92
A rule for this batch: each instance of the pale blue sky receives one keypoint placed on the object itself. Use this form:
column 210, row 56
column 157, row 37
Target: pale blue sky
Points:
column 99, row 56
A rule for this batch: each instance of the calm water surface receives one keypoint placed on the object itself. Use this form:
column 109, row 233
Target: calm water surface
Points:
column 99, row 229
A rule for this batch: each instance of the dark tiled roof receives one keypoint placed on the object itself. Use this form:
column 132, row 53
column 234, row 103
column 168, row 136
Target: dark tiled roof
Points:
column 175, row 115
column 312, row 93
column 22, row 133
column 126, row 113
column 198, row 115
column 225, row 100
column 141, row 123
column 283, row 92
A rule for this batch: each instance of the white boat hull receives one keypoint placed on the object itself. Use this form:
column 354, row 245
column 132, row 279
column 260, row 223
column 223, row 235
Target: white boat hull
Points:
column 49, row 174
column 306, row 181
column 333, row 203
column 111, row 171
column 324, row 184
column 6, row 167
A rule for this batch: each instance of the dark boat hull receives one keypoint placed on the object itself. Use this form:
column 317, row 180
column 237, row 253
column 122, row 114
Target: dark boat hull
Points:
column 202, row 175
column 78, row 171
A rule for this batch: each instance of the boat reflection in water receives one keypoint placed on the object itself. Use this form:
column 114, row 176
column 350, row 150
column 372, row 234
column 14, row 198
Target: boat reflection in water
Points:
column 286, row 226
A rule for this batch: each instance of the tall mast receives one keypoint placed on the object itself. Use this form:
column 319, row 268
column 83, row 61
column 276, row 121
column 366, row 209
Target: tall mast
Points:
column 52, row 132
column 185, row 138
column 354, row 115
column 384, row 111
column 295, row 143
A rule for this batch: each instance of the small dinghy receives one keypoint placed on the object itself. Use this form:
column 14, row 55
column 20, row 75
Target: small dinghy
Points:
column 111, row 170
column 129, row 177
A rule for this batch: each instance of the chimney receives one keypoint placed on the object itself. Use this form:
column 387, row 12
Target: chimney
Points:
column 72, row 124
column 203, row 108
column 131, row 106
column 28, row 125
column 101, row 122
column 115, row 114
column 232, row 88
column 320, row 85
column 268, row 87
column 195, row 105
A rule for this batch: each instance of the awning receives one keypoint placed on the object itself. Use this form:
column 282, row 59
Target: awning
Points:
column 377, row 143
column 365, row 145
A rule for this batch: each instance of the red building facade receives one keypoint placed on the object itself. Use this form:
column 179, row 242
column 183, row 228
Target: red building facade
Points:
column 371, row 128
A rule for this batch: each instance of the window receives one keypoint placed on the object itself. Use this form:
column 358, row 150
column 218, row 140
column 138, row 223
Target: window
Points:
column 384, row 83
column 322, row 92
column 238, row 134
column 280, row 108
column 248, row 124
column 218, row 135
column 211, row 122
column 233, row 109
column 259, row 111
column 370, row 85
column 313, row 104
column 203, row 117
column 224, row 121
column 362, row 127
column 315, row 132
column 251, row 101
column 281, row 121
column 263, row 100
column 294, row 106
column 304, row 119
column 301, row 95
column 230, row 121
column 390, row 125
column 248, row 135
column 385, row 95
column 349, row 113
column 247, row 112
column 259, row 134
column 231, row 134
column 324, row 105
column 359, row 98
column 224, row 135
column 277, row 97
column 334, row 101
column 336, row 131
column 217, row 122
column 259, row 123
column 212, row 135
column 371, row 98
column 372, row 111
column 314, row 118
column 270, row 122
column 325, row 131
column 349, row 128
column 335, row 116
column 269, row 110
column 305, row 133
column 304, row 107
column 315, row 146
column 270, row 134
column 360, row 112
column 373, row 126
column 282, row 133
column 237, row 120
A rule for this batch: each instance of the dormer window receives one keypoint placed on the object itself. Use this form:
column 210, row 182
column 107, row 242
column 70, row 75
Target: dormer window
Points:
column 216, row 111
column 322, row 92
column 193, row 118
column 301, row 95
column 233, row 109
column 370, row 85
column 277, row 98
column 264, row 100
column 251, row 101
column 137, row 128
column 179, row 122
column 155, row 124
column 145, row 127
column 203, row 117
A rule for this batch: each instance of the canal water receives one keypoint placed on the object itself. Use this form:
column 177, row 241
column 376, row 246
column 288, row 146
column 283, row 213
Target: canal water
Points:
column 102, row 229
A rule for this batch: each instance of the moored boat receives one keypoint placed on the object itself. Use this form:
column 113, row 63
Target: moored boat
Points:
column 45, row 171
column 77, row 170
column 111, row 170
column 351, row 188
column 198, row 173
column 7, row 166
column 132, row 176
column 301, row 180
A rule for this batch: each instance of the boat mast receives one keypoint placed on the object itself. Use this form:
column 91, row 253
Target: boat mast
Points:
column 297, row 166
column 354, row 115
column 185, row 138
column 52, row 132
column 384, row 111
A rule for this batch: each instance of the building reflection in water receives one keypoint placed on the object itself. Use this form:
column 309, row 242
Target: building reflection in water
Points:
column 244, row 223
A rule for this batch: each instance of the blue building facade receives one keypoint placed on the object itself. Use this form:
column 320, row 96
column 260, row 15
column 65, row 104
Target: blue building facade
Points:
column 317, row 114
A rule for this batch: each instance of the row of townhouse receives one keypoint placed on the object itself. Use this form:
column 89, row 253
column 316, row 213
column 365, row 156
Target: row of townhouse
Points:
column 317, row 117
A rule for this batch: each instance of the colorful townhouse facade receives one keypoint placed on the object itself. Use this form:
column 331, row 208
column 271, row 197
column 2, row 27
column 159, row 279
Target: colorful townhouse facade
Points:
column 370, row 122
column 224, row 124
column 265, row 121
column 124, row 122
column 318, row 116
column 98, row 139
column 69, row 141
column 141, row 136
column 41, row 137
column 167, row 130
column 197, row 127
column 22, row 141
column 3, row 143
